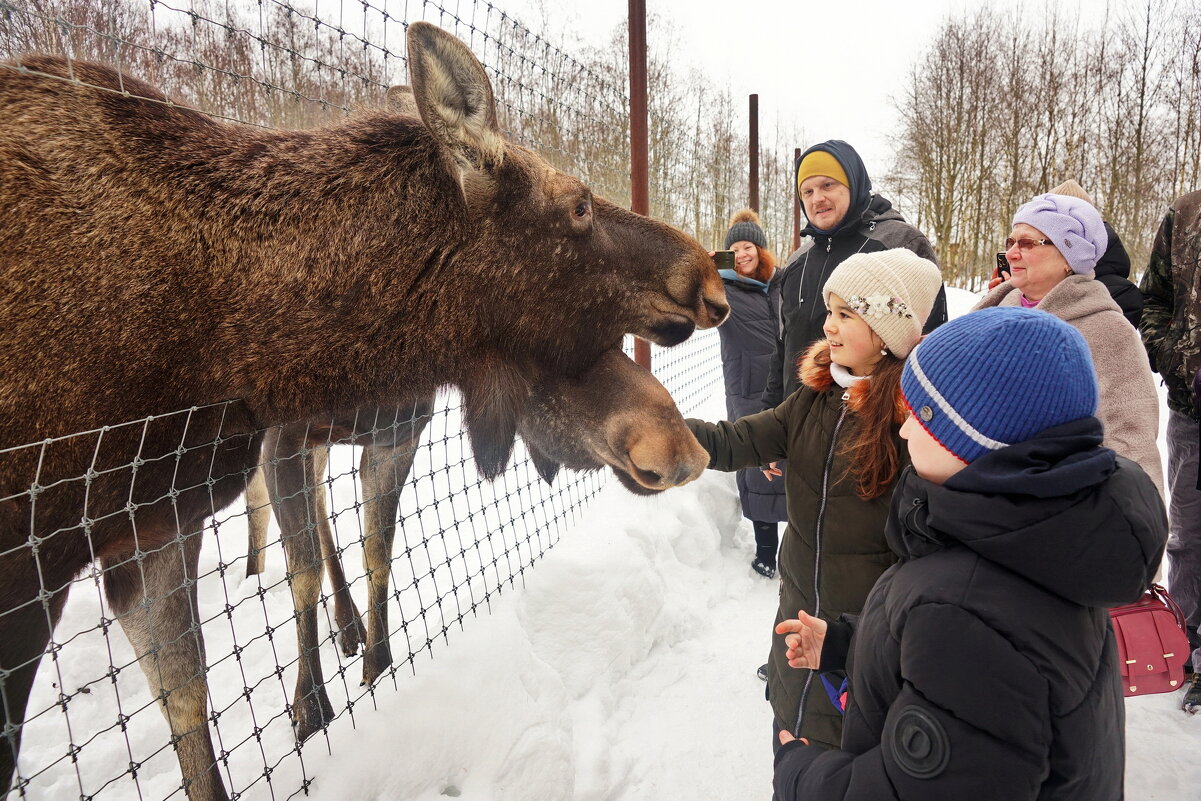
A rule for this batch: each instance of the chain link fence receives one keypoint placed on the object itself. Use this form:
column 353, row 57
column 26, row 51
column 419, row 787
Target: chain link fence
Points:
column 94, row 726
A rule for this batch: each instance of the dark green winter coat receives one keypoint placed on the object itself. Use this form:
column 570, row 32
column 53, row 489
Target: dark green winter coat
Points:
column 833, row 548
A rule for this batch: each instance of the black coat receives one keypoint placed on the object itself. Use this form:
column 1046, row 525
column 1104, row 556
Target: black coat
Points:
column 984, row 665
column 1113, row 270
column 748, row 340
column 871, row 224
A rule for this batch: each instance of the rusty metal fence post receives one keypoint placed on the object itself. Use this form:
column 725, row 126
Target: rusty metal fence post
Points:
column 753, row 146
column 639, row 149
column 796, row 203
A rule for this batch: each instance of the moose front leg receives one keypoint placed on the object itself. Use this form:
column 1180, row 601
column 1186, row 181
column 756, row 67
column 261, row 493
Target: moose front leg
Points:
column 346, row 614
column 286, row 469
column 154, row 599
column 383, row 471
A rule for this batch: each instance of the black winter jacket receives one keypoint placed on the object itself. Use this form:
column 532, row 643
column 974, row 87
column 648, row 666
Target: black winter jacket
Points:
column 748, row 341
column 984, row 664
column 1113, row 270
column 871, row 224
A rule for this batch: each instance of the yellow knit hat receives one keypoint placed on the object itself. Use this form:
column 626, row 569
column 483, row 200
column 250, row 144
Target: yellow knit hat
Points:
column 819, row 162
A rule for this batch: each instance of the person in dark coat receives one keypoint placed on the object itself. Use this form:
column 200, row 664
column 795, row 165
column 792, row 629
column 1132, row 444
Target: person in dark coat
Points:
column 839, row 433
column 748, row 340
column 1191, row 702
column 1171, row 330
column 844, row 217
column 1113, row 270
column 984, row 665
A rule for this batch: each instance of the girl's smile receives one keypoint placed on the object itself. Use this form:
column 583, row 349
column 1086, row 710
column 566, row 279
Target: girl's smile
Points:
column 853, row 343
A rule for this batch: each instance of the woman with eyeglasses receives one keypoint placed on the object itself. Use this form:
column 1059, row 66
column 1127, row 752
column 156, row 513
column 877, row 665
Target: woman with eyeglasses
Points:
column 1052, row 251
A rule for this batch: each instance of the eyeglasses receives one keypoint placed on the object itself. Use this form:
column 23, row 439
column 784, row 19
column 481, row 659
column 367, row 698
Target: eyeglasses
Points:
column 1024, row 244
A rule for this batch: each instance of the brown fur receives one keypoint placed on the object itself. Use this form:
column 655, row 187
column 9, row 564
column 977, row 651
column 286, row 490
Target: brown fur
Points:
column 616, row 414
column 879, row 405
column 155, row 259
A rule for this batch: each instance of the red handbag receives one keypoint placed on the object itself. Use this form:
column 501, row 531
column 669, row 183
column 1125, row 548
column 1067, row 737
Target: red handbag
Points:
column 1152, row 644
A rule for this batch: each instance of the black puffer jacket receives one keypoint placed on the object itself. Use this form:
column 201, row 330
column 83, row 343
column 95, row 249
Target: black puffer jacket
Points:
column 871, row 224
column 748, row 341
column 1113, row 270
column 984, row 665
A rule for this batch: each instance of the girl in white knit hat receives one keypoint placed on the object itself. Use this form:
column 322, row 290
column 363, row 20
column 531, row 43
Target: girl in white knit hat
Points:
column 839, row 433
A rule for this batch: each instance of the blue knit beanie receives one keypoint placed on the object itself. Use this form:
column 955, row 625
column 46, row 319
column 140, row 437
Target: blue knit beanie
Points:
column 998, row 376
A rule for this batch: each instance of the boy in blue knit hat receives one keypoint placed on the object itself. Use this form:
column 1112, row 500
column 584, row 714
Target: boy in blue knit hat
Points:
column 984, row 665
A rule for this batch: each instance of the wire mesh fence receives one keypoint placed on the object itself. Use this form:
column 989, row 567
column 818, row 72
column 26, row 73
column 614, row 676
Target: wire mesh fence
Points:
column 252, row 625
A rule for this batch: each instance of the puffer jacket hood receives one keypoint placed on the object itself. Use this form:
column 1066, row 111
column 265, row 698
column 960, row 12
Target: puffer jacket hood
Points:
column 1058, row 510
column 861, row 185
column 1115, row 260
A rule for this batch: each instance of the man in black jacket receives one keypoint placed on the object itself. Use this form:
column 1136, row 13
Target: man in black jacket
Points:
column 984, row 665
column 844, row 217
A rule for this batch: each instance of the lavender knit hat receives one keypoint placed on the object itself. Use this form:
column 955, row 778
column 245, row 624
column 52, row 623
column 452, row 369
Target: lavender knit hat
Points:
column 1073, row 225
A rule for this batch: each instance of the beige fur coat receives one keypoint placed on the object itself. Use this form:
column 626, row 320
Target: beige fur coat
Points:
column 1129, row 406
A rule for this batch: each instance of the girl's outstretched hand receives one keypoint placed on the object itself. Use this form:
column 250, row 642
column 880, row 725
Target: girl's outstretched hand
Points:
column 804, row 637
column 772, row 470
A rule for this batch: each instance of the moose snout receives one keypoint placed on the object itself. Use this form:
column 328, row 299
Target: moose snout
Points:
column 661, row 460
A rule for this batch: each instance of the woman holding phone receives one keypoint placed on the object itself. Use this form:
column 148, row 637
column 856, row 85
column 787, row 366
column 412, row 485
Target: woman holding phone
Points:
column 1052, row 252
column 748, row 340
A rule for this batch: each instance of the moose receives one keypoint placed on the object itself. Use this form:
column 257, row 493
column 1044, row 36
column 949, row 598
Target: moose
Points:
column 173, row 286
column 295, row 458
column 582, row 423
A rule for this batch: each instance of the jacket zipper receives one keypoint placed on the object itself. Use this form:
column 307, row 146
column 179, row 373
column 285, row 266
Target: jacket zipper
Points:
column 805, row 267
column 817, row 558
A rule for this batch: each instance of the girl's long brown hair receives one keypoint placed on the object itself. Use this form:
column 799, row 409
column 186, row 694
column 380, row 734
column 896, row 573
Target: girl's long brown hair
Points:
column 877, row 403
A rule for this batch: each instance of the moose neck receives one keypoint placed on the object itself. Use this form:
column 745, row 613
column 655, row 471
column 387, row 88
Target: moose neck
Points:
column 349, row 269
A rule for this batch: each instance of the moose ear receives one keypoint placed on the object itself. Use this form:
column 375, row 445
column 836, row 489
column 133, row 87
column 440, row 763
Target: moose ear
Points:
column 492, row 407
column 401, row 100
column 454, row 97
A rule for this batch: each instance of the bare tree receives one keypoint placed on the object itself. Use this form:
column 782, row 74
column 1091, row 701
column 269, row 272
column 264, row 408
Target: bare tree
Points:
column 988, row 120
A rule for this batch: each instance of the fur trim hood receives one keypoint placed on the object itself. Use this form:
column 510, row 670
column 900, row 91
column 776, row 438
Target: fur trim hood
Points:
column 813, row 371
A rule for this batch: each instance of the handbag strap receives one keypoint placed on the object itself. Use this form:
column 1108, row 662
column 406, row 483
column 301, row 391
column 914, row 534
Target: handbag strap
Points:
column 1162, row 596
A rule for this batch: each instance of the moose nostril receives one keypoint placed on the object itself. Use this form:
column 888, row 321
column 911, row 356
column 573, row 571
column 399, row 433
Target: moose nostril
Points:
column 717, row 311
column 649, row 477
column 686, row 472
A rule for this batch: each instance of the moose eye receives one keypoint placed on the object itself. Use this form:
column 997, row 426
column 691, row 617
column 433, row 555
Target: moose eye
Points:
column 582, row 209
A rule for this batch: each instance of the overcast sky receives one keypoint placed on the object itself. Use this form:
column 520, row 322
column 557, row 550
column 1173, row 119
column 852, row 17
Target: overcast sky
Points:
column 833, row 67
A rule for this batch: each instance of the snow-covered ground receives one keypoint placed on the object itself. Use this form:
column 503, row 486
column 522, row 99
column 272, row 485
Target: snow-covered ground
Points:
column 621, row 667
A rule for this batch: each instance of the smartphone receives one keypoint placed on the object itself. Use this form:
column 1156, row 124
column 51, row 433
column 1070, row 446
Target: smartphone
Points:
column 1002, row 264
column 724, row 259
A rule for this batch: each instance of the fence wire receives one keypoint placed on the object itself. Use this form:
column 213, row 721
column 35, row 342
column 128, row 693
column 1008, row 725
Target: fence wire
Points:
column 220, row 601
